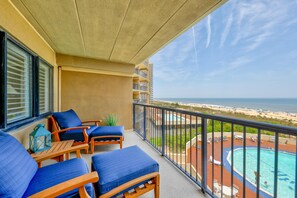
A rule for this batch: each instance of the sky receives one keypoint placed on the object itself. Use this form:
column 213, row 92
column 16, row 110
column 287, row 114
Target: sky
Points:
column 244, row 49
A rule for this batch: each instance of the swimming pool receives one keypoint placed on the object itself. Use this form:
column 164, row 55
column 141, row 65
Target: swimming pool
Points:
column 172, row 117
column 286, row 169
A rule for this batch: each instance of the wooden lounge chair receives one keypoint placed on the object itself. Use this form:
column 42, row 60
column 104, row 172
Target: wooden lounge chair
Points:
column 127, row 169
column 68, row 126
column 252, row 139
column 21, row 177
column 217, row 188
column 216, row 162
column 238, row 137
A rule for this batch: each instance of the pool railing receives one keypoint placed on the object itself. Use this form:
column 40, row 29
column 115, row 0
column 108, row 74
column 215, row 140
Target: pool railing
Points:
column 195, row 143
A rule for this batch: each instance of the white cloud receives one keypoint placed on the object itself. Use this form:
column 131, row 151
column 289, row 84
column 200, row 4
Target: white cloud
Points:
column 208, row 31
column 169, row 63
column 293, row 55
column 194, row 43
column 229, row 66
column 226, row 29
column 257, row 21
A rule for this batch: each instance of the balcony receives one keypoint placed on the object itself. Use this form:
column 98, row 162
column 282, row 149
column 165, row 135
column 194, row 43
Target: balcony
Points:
column 136, row 86
column 140, row 73
column 146, row 63
column 144, row 88
column 223, row 156
column 173, row 184
column 95, row 64
column 143, row 74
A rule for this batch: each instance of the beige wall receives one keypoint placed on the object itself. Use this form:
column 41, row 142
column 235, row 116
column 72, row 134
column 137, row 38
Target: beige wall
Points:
column 22, row 134
column 93, row 96
column 17, row 26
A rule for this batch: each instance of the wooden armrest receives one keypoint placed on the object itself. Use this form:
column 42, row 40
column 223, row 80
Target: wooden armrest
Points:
column 91, row 121
column 95, row 121
column 69, row 185
column 129, row 184
column 69, row 129
column 59, row 153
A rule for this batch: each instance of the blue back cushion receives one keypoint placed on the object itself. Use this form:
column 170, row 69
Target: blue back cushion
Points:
column 17, row 167
column 67, row 119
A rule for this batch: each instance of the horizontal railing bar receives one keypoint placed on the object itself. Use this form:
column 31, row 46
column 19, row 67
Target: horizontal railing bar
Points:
column 248, row 123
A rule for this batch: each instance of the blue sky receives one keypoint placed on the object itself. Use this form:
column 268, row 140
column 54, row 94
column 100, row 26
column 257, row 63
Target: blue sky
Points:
column 245, row 49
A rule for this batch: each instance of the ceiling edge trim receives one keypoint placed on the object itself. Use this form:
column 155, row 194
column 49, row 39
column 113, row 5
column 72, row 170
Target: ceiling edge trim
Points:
column 173, row 14
column 217, row 5
column 116, row 38
column 31, row 25
column 80, row 28
column 95, row 71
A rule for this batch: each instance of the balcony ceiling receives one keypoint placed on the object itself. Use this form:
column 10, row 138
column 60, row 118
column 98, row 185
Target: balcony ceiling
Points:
column 127, row 31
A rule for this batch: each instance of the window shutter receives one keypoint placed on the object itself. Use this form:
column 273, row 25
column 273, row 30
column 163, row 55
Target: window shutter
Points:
column 19, row 83
column 44, row 88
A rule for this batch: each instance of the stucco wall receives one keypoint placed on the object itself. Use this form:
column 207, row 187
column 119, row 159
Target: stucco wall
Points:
column 93, row 96
column 18, row 27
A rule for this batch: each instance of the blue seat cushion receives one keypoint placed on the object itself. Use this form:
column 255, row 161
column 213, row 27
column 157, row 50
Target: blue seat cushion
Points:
column 108, row 130
column 120, row 166
column 17, row 167
column 76, row 135
column 54, row 174
column 67, row 119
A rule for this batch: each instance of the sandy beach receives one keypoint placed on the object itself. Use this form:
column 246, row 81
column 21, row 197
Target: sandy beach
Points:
column 246, row 111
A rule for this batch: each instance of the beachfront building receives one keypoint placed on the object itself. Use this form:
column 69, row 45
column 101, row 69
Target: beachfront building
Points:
column 142, row 82
column 151, row 75
column 60, row 55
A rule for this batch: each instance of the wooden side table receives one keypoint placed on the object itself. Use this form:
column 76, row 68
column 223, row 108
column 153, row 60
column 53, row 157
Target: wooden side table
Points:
column 56, row 146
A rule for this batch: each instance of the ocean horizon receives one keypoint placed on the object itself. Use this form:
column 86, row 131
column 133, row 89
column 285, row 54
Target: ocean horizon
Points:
column 288, row 105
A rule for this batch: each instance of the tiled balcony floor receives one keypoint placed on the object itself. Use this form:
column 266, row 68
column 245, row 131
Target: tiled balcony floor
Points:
column 173, row 183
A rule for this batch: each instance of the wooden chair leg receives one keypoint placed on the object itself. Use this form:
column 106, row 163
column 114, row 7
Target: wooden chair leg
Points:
column 67, row 156
column 121, row 143
column 157, row 186
column 92, row 146
column 87, row 150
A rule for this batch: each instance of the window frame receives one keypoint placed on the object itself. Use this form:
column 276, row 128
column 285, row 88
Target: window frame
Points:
column 34, row 110
column 38, row 60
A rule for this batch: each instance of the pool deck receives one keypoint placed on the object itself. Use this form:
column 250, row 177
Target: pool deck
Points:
column 226, row 174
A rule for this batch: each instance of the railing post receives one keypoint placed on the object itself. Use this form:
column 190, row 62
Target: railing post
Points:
column 144, row 122
column 134, row 119
column 163, row 132
column 204, row 154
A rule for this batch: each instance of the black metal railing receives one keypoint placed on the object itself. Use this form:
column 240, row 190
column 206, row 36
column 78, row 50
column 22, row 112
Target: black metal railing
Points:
column 226, row 157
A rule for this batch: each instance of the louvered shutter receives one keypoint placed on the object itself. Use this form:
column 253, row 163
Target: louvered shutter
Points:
column 44, row 88
column 19, row 83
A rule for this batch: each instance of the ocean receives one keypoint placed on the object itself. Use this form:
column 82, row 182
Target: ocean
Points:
column 288, row 105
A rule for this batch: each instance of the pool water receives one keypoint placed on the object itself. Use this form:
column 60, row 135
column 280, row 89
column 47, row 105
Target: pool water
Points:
column 286, row 169
column 172, row 117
